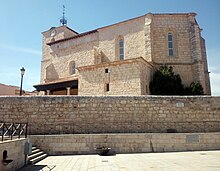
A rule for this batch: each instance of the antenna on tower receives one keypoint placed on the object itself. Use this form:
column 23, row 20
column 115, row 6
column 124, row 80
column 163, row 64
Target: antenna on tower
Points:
column 63, row 20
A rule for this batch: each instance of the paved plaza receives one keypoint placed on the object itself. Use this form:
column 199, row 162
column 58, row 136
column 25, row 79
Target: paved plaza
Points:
column 176, row 161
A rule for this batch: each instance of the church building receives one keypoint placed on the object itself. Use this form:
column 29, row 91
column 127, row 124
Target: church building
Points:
column 120, row 59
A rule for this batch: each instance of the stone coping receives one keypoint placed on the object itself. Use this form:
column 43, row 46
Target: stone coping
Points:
column 104, row 134
column 13, row 140
column 112, row 96
column 115, row 63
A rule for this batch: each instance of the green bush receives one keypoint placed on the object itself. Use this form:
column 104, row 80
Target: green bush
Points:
column 166, row 82
column 194, row 89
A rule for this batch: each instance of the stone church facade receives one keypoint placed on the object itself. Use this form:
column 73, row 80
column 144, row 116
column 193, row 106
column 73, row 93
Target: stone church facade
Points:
column 121, row 58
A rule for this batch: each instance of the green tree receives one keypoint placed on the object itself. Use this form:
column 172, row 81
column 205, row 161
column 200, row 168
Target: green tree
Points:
column 166, row 82
column 194, row 89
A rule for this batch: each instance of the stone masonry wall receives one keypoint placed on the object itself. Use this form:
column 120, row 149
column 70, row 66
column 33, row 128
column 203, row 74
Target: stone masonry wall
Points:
column 128, row 77
column 126, row 143
column 47, row 53
column 124, row 79
column 179, row 26
column 60, row 56
column 187, row 46
column 204, row 58
column 134, row 40
column 15, row 151
column 57, row 57
column 145, row 77
column 112, row 114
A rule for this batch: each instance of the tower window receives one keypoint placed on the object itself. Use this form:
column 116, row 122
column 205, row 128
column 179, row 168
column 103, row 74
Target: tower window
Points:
column 106, row 70
column 121, row 49
column 170, row 44
column 72, row 68
column 107, row 88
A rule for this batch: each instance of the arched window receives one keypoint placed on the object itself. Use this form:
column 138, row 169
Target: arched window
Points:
column 72, row 68
column 121, row 49
column 170, row 44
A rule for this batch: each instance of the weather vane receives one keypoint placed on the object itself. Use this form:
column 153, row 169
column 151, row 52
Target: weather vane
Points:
column 63, row 20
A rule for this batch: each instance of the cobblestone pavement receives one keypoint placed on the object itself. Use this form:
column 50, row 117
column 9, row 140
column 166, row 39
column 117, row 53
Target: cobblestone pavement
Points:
column 176, row 161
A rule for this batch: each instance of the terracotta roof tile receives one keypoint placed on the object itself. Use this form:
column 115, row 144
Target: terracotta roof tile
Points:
column 59, row 81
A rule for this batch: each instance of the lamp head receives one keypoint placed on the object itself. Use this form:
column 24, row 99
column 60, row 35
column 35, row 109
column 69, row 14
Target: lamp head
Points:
column 22, row 71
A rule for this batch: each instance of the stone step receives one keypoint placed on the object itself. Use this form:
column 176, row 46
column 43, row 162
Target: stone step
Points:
column 36, row 151
column 35, row 155
column 37, row 159
column 34, row 148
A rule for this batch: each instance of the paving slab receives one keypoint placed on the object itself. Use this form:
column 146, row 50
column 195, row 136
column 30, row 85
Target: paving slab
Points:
column 175, row 161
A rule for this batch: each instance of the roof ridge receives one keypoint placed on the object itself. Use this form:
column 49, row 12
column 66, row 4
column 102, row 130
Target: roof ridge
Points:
column 95, row 30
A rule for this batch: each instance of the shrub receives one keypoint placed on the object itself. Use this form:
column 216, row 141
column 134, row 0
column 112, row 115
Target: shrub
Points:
column 166, row 82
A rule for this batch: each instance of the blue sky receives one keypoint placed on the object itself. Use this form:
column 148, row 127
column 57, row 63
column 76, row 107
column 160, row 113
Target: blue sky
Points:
column 23, row 21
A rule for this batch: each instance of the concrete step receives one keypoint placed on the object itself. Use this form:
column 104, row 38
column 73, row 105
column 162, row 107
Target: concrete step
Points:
column 35, row 155
column 34, row 148
column 37, row 159
column 36, row 151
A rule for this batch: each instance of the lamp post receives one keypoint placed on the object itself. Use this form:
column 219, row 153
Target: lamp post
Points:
column 22, row 74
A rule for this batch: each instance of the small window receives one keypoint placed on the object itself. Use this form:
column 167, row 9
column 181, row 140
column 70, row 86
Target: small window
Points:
column 106, row 70
column 73, row 68
column 107, row 87
column 121, row 49
column 170, row 44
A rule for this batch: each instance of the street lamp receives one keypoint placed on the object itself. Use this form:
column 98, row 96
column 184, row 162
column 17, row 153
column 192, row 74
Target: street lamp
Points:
column 22, row 74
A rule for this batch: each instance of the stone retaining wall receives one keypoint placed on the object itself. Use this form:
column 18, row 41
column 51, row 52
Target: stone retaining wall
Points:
column 15, row 151
column 112, row 114
column 126, row 143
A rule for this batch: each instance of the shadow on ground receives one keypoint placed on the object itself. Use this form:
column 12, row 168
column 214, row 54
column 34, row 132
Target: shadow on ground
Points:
column 37, row 168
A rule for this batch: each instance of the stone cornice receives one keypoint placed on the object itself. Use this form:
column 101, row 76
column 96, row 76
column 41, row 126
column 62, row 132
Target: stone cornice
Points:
column 176, row 63
column 115, row 63
column 72, row 78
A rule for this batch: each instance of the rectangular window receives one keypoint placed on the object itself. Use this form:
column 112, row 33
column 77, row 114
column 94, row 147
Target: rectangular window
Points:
column 121, row 49
column 73, row 68
column 170, row 39
column 170, row 52
column 107, row 87
column 121, row 57
column 121, row 43
column 170, row 44
column 106, row 70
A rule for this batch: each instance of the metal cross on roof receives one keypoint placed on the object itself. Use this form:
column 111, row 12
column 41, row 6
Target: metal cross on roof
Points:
column 63, row 20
